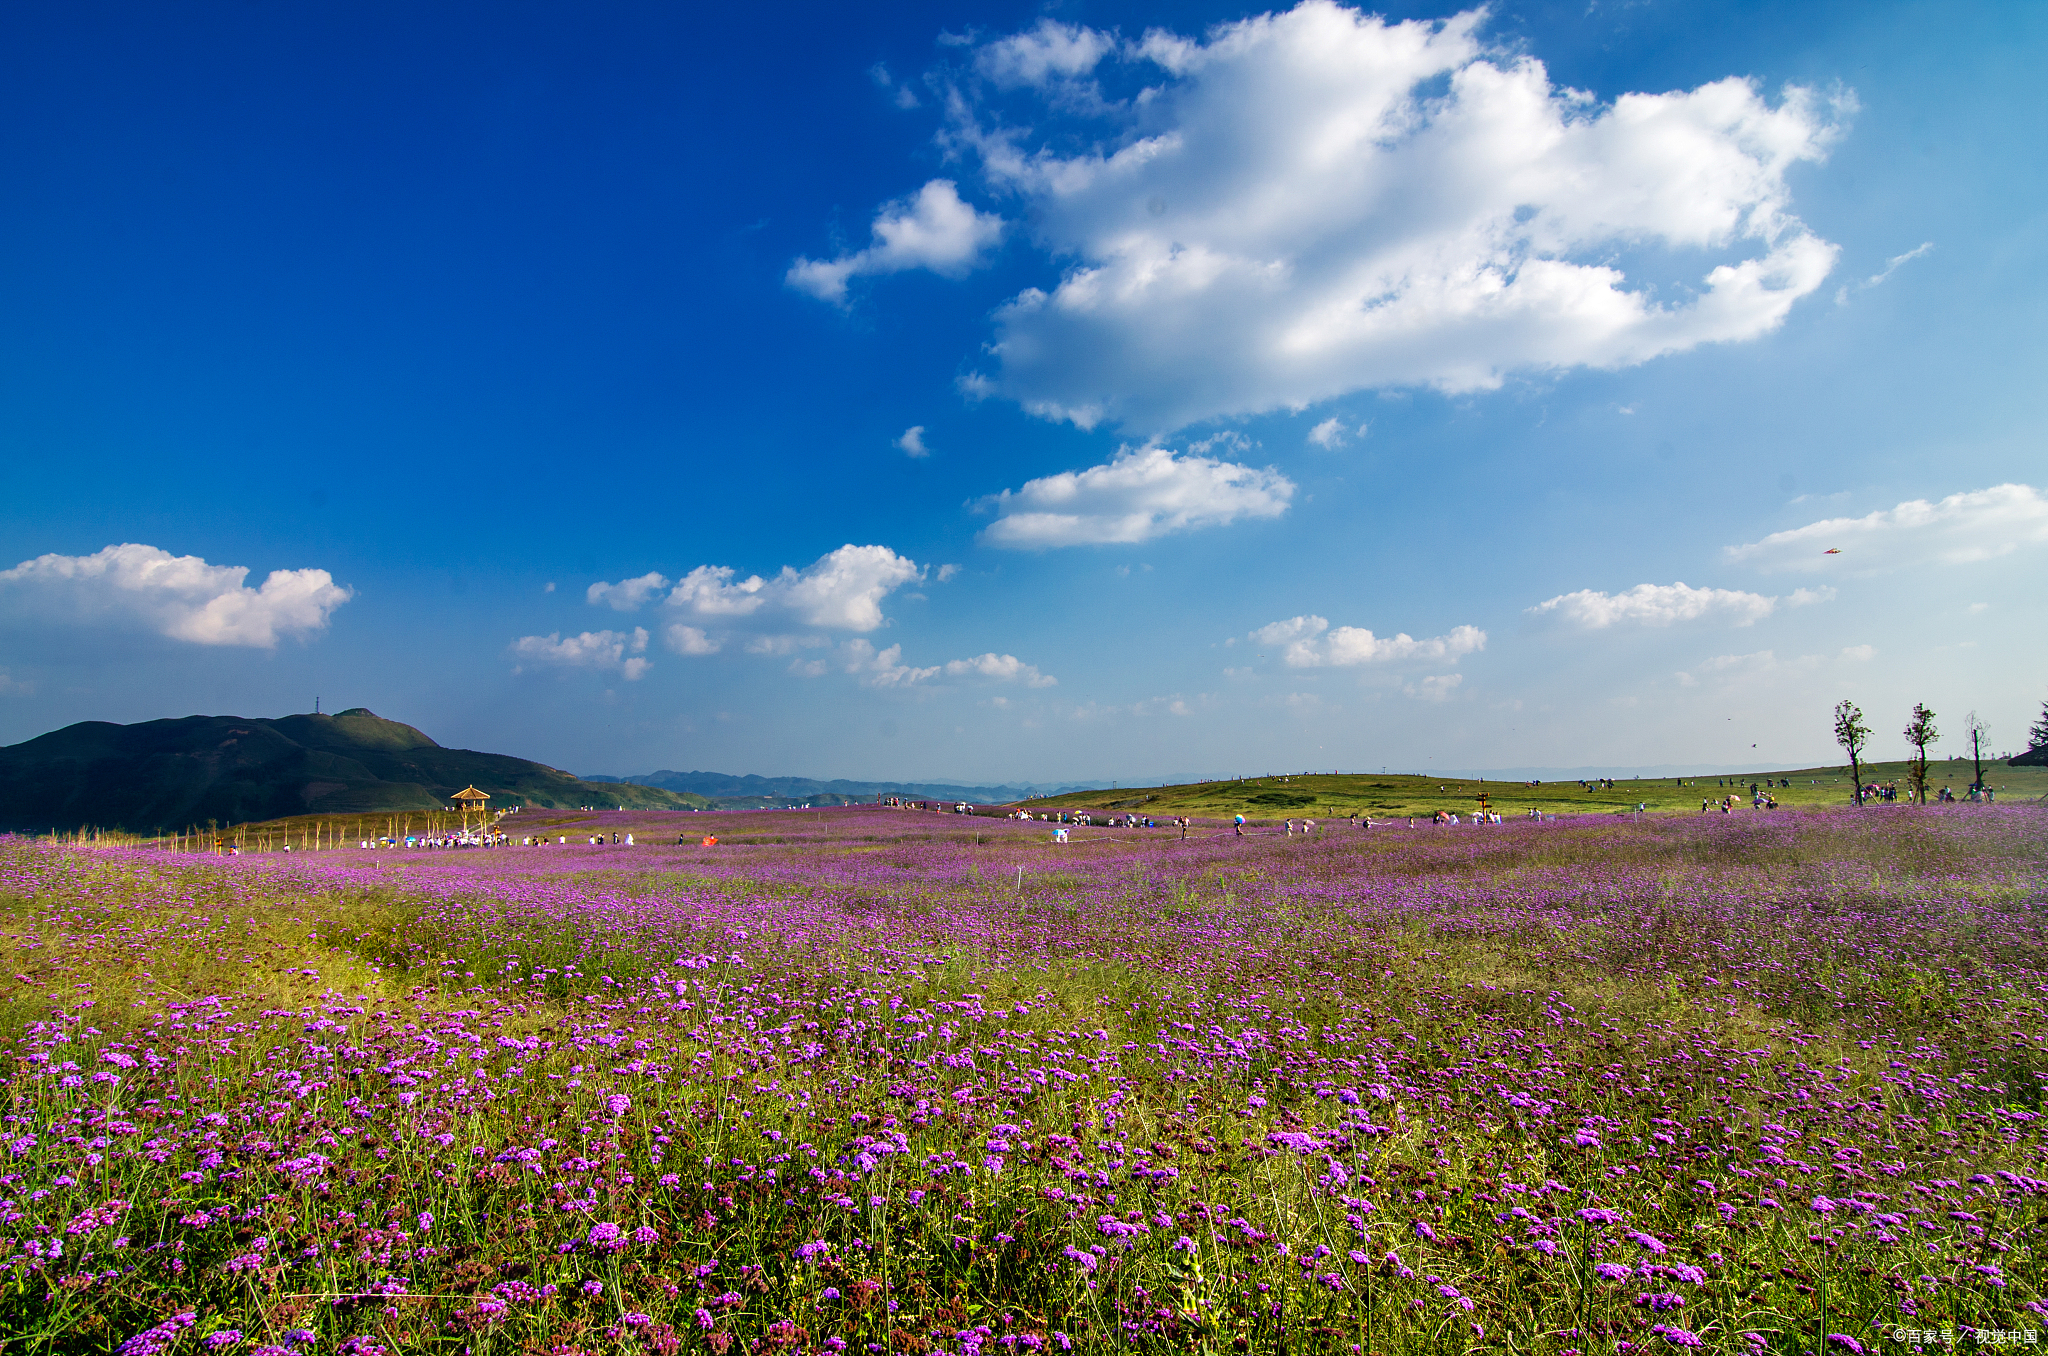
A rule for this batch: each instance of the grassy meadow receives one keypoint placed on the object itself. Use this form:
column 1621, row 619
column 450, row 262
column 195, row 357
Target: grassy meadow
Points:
column 1338, row 795
column 878, row 1081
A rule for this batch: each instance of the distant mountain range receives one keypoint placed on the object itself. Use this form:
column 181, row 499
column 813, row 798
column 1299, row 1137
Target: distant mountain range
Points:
column 168, row 774
column 734, row 792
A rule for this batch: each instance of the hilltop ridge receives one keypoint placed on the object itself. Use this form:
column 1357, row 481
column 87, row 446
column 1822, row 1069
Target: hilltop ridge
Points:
column 162, row 774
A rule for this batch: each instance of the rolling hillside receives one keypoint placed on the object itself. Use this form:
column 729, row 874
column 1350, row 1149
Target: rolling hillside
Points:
column 167, row 774
column 1336, row 795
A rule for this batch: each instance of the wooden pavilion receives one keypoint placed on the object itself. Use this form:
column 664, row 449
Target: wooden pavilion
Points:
column 471, row 801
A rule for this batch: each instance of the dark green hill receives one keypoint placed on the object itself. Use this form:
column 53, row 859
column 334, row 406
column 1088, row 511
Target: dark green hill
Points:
column 166, row 774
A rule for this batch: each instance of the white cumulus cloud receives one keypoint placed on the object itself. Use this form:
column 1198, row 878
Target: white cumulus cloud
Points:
column 885, row 668
column 1328, row 435
column 1005, row 668
column 882, row 668
column 712, row 609
column 689, row 640
column 844, row 589
column 711, row 591
column 601, row 651
column 1310, row 642
column 1042, row 55
column 1961, row 529
column 1315, row 202
column 628, row 594
column 1142, row 493
column 1663, row 605
column 182, row 597
column 912, row 442
column 840, row 590
column 933, row 229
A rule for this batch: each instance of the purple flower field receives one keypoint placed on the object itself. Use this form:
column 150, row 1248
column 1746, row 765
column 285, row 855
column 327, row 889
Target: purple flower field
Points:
column 865, row 1080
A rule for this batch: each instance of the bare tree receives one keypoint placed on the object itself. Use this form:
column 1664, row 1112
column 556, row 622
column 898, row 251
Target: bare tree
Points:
column 1852, row 734
column 1920, row 732
column 1976, row 729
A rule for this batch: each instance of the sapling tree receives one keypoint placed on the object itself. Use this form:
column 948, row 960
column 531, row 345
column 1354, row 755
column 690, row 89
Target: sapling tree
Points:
column 1920, row 732
column 1977, row 730
column 1852, row 734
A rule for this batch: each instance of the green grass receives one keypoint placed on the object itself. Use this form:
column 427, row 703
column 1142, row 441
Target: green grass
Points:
column 1261, row 799
column 1818, row 1025
column 1398, row 796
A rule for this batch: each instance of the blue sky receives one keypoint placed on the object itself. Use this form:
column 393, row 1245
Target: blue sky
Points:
column 1028, row 393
